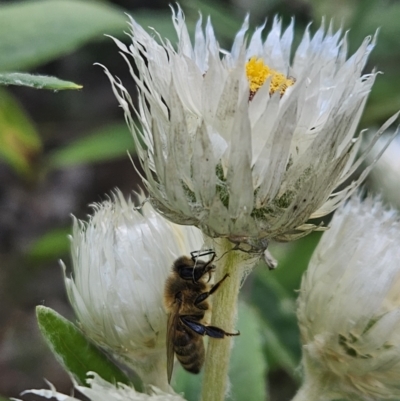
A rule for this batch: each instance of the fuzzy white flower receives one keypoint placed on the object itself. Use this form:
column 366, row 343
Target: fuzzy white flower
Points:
column 100, row 390
column 349, row 306
column 385, row 176
column 121, row 259
column 251, row 145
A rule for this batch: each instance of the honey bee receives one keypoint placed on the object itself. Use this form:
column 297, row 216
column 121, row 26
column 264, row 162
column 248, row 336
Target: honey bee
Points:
column 185, row 298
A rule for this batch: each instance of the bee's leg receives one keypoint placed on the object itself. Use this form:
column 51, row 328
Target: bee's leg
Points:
column 206, row 267
column 205, row 295
column 201, row 329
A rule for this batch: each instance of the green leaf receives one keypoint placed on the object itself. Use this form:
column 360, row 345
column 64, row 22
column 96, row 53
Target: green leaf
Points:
column 276, row 289
column 108, row 143
column 280, row 330
column 36, row 81
column 187, row 383
column 51, row 245
column 293, row 260
column 276, row 351
column 75, row 353
column 248, row 368
column 35, row 32
column 280, row 318
column 20, row 144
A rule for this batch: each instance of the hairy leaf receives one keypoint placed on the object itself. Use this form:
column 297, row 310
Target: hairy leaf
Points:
column 73, row 350
column 36, row 81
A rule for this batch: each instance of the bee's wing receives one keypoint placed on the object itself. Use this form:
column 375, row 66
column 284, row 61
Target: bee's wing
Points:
column 173, row 318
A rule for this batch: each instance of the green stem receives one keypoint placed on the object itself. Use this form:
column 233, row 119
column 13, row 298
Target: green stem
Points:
column 224, row 312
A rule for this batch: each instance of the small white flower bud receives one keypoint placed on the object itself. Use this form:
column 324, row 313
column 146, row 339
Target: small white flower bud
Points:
column 100, row 390
column 349, row 306
column 121, row 259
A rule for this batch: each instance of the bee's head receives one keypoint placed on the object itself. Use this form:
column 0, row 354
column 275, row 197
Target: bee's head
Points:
column 193, row 270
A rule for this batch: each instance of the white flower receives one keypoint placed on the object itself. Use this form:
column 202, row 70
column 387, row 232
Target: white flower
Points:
column 349, row 305
column 100, row 390
column 121, row 259
column 248, row 146
column 385, row 176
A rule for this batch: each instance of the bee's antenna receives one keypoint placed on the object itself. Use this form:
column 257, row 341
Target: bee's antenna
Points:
column 238, row 248
column 271, row 262
column 230, row 250
column 201, row 253
column 195, row 259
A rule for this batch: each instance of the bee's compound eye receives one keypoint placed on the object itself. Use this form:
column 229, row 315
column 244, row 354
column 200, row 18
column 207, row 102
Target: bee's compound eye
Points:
column 186, row 273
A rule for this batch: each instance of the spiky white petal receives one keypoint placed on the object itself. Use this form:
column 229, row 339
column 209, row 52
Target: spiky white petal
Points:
column 244, row 169
column 101, row 390
column 121, row 259
column 349, row 304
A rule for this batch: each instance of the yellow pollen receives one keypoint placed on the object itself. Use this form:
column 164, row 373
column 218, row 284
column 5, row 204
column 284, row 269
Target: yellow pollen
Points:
column 257, row 73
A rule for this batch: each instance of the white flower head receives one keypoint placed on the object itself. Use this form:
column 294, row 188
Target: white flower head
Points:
column 385, row 176
column 100, row 390
column 247, row 145
column 349, row 304
column 121, row 259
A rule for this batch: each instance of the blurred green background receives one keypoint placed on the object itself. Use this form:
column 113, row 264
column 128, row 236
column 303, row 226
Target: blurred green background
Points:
column 62, row 150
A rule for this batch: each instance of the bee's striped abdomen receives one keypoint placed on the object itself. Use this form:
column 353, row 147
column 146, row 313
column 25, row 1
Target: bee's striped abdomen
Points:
column 189, row 349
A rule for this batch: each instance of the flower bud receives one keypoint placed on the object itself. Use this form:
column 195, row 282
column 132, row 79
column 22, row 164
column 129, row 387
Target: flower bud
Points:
column 121, row 259
column 349, row 305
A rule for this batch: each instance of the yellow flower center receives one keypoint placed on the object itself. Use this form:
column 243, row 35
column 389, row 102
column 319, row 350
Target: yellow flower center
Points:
column 257, row 73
